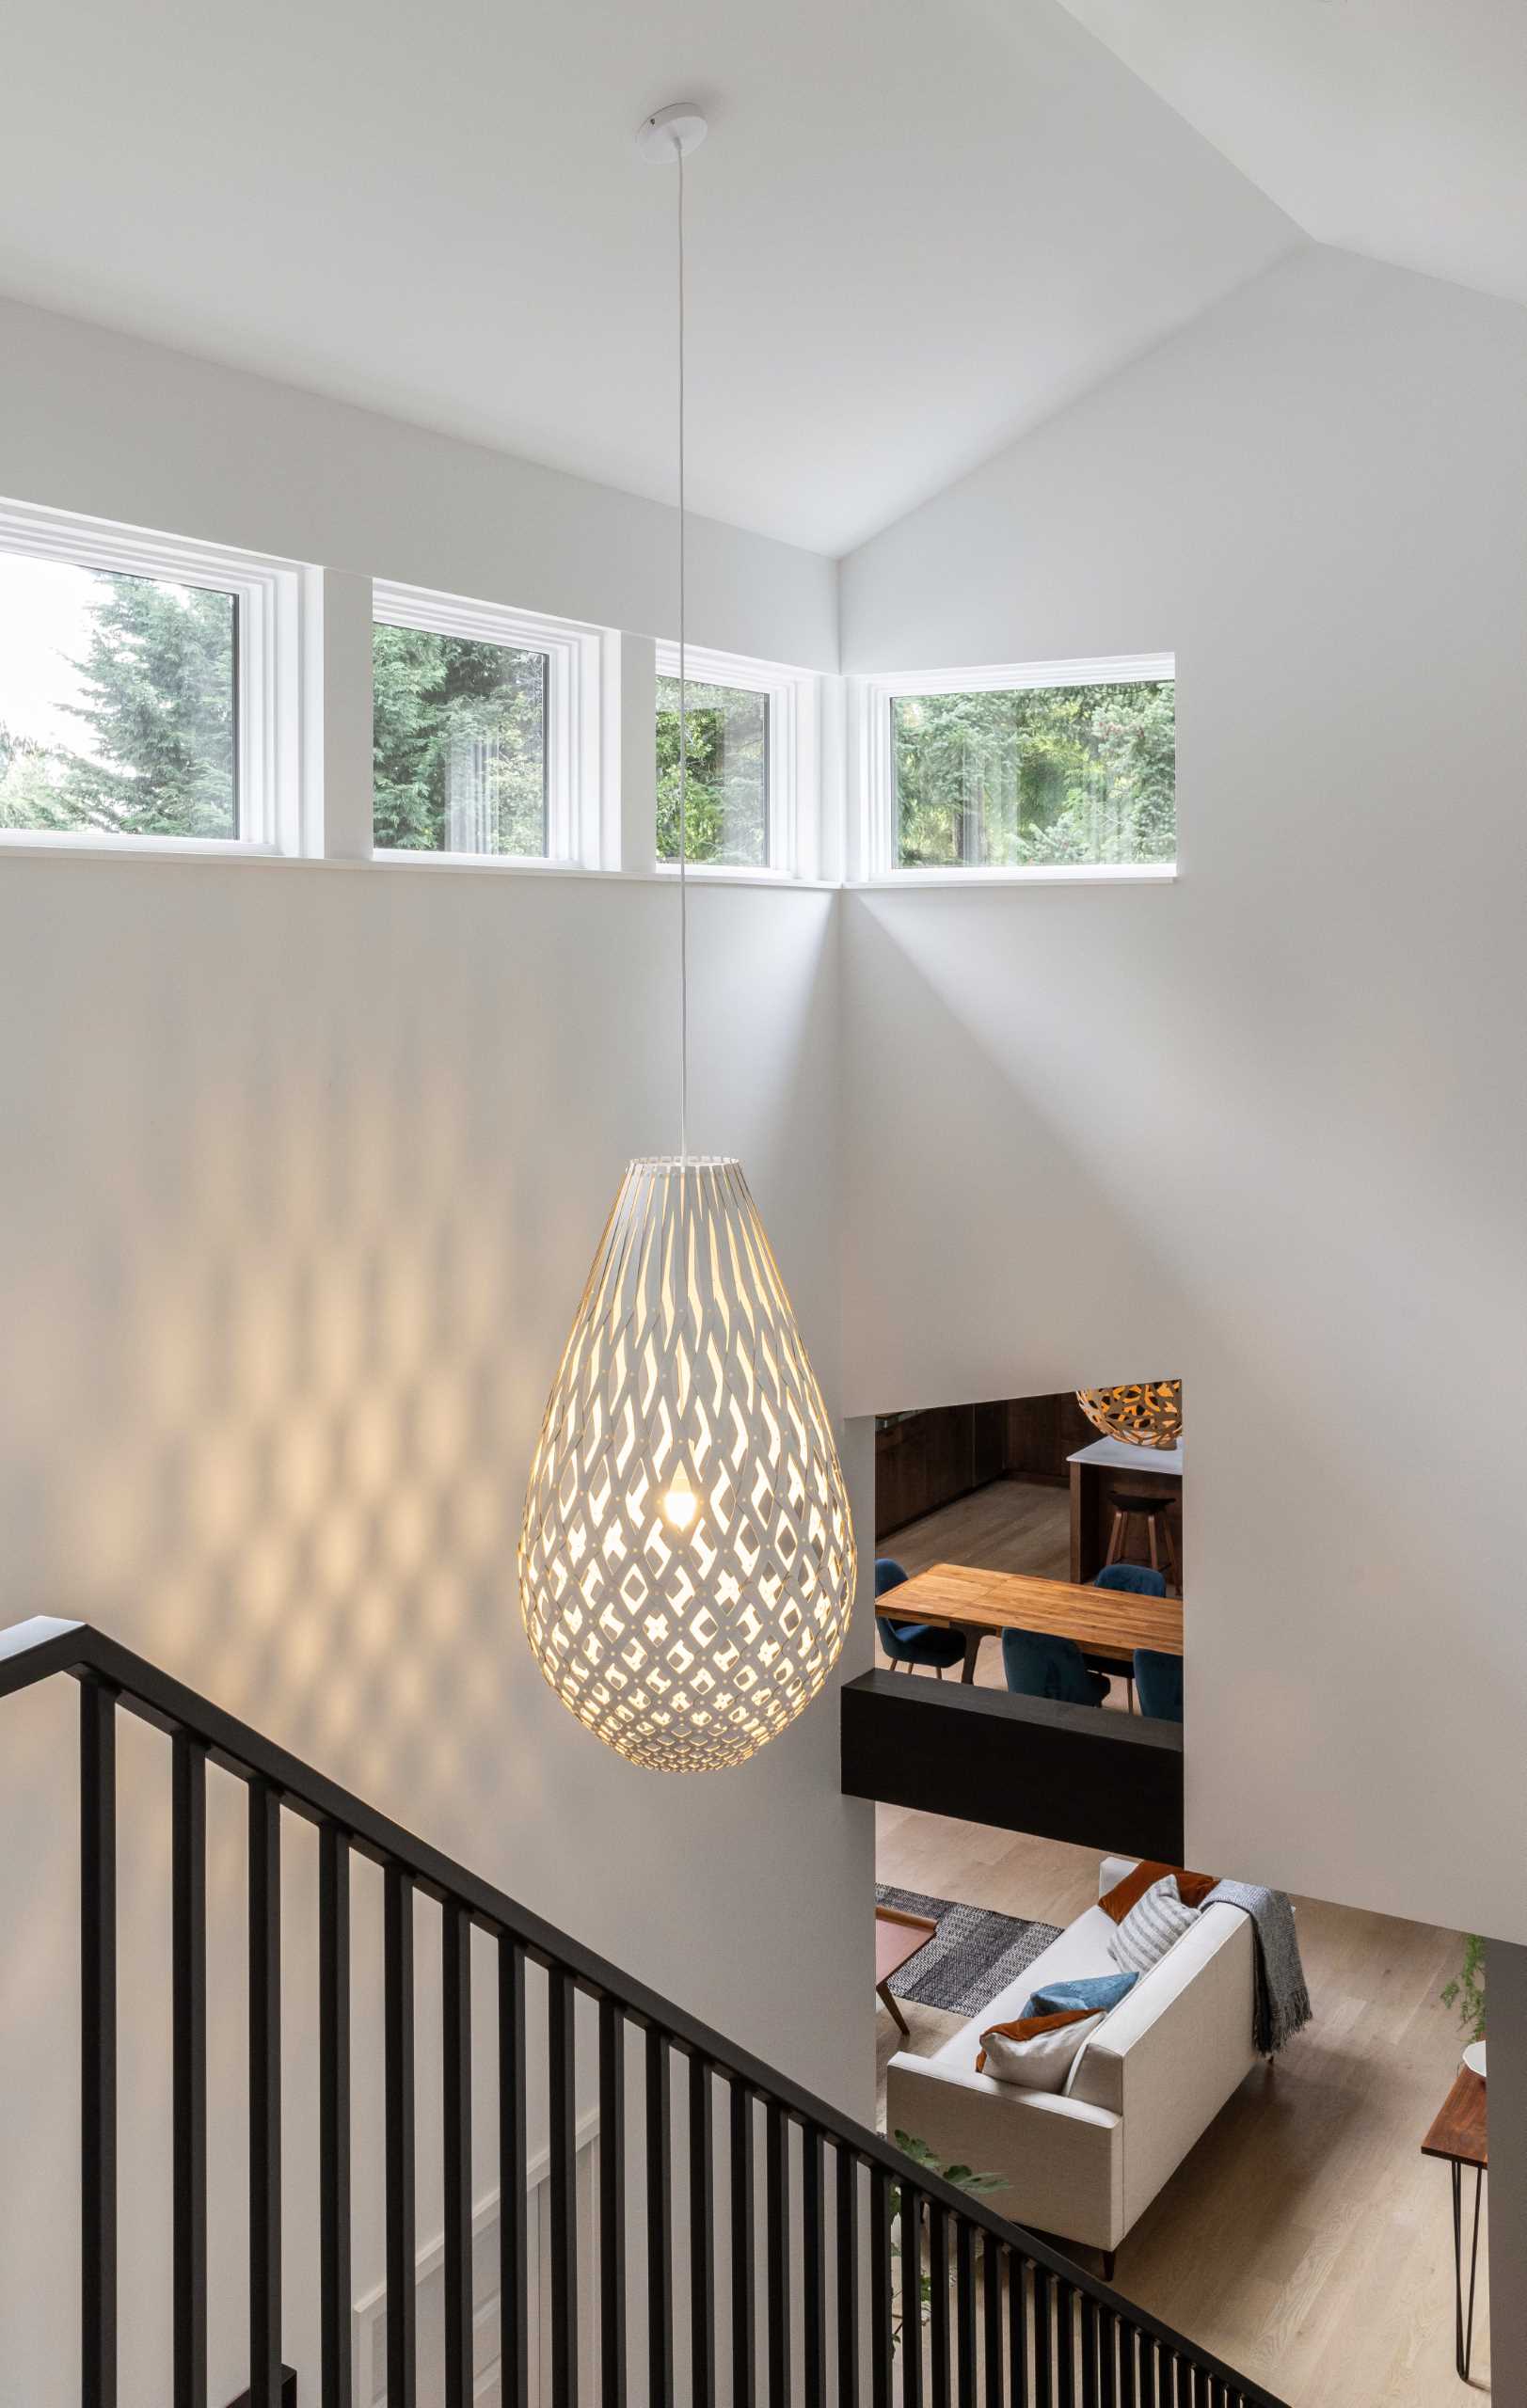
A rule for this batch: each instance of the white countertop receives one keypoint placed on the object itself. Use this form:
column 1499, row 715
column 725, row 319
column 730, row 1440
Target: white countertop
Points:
column 1117, row 1454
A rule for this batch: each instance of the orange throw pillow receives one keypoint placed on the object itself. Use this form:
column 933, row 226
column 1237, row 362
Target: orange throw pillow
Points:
column 1028, row 2027
column 1192, row 1888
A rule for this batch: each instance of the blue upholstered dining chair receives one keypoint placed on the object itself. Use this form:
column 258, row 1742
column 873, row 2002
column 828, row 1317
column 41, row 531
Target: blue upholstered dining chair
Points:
column 1159, row 1680
column 1140, row 1580
column 1038, row 1665
column 913, row 1642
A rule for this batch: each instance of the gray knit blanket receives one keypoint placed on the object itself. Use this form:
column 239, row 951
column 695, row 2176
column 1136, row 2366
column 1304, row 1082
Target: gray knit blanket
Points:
column 1282, row 2006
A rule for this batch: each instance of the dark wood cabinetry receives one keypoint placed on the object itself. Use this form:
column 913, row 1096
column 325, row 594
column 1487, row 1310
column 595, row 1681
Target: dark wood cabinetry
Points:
column 925, row 1460
column 1041, row 1433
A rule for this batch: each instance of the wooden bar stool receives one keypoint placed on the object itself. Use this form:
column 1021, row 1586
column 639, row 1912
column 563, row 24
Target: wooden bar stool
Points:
column 1155, row 1513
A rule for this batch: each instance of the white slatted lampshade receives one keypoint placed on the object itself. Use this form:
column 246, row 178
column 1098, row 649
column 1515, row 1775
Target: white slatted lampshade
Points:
column 686, row 1561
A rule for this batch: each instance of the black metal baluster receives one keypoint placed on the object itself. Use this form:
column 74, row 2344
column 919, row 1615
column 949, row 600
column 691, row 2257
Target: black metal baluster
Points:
column 744, row 2248
column 1149, row 2373
column 848, row 2277
column 188, row 2018
column 702, row 2239
column 964, row 2312
column 457, row 2020
column 992, row 2316
column 1109, row 2334
column 611, row 2204
column 938, row 2281
column 1065, row 2299
column 814, row 2264
column 98, row 2046
column 912, row 2296
column 334, row 2116
column 881, row 2315
column 1018, row 2329
column 1043, row 2361
column 562, row 2076
column 265, row 2096
column 514, row 2314
column 659, row 2222
column 777, row 2145
column 398, row 2021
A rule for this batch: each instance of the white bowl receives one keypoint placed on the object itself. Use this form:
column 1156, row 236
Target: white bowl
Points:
column 1473, row 2057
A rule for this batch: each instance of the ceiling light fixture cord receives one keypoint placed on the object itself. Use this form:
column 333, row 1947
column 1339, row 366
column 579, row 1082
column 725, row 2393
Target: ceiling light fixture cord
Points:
column 683, row 727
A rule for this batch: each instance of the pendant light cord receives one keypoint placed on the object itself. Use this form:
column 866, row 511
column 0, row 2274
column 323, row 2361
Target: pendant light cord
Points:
column 683, row 725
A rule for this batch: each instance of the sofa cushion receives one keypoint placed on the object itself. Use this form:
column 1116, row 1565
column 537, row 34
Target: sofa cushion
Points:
column 1081, row 1948
column 1151, row 1927
column 1093, row 1993
column 1192, row 1888
column 1035, row 2052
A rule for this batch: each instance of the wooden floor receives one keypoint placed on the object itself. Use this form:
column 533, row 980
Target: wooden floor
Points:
column 1305, row 2240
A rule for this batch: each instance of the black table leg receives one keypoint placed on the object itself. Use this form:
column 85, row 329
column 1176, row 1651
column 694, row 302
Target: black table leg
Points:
column 973, row 1648
column 1464, row 2320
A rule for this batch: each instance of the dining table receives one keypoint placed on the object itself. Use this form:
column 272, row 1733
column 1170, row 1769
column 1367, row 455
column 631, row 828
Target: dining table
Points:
column 1107, row 1623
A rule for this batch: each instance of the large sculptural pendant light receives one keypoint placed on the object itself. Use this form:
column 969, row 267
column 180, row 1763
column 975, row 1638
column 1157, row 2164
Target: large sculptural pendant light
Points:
column 686, row 1561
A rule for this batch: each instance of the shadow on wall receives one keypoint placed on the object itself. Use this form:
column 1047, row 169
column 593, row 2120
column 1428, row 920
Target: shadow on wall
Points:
column 308, row 1172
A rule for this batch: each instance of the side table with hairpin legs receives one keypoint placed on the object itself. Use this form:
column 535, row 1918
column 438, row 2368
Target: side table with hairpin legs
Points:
column 1458, row 2135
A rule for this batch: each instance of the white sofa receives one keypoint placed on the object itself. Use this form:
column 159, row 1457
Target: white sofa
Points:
column 1086, row 2166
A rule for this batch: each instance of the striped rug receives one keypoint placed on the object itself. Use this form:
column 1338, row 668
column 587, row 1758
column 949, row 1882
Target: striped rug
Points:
column 972, row 1957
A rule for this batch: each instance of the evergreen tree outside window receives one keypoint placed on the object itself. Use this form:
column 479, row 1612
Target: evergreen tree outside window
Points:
column 458, row 744
column 726, row 798
column 1036, row 777
column 119, row 711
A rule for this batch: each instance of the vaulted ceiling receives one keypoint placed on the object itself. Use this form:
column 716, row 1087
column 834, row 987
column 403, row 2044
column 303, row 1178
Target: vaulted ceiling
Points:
column 914, row 231
column 1395, row 127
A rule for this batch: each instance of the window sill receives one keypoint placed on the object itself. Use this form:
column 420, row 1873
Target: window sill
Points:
column 731, row 874
column 1074, row 874
column 41, row 842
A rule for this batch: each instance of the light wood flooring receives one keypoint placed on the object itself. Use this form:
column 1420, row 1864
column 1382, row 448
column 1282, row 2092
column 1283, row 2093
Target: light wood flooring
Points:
column 1305, row 2240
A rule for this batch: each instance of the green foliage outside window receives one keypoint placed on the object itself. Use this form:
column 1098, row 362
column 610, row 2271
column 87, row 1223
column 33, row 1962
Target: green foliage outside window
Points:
column 458, row 744
column 1037, row 777
column 157, row 682
column 726, row 790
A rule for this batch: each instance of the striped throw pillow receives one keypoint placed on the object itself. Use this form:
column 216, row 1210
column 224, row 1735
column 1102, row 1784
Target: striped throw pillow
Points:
column 1150, row 1926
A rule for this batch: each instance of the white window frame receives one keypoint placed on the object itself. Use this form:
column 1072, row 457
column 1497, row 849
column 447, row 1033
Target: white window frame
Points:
column 792, row 754
column 876, row 773
column 578, row 817
column 275, row 814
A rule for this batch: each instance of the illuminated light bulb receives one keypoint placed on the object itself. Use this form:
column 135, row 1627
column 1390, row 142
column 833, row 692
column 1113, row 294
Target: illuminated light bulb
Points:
column 679, row 1506
column 684, row 1354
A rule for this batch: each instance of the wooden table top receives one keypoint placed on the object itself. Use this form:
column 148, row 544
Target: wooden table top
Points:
column 1104, row 1622
column 897, row 1936
column 1458, row 2129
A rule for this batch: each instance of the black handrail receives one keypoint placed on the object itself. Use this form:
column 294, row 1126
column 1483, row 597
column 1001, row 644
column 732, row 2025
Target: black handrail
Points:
column 1125, row 2354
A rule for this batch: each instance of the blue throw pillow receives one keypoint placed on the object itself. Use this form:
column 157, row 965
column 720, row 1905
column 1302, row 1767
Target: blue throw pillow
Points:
column 1097, row 1993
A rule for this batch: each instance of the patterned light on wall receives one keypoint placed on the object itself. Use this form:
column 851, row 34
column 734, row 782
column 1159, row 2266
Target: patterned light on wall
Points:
column 687, row 1559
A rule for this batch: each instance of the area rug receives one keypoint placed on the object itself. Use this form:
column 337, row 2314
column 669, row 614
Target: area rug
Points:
column 971, row 1957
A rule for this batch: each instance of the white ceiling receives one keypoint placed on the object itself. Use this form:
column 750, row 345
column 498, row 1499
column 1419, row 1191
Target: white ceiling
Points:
column 915, row 228
column 1395, row 127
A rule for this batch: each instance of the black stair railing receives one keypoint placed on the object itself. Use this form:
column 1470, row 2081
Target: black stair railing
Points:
column 864, row 2280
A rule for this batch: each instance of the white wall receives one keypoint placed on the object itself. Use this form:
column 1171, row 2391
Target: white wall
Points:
column 305, row 1167
column 96, row 422
column 1265, row 1126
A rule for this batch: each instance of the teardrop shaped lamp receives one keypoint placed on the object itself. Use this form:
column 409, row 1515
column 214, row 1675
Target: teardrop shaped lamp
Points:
column 686, row 1562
